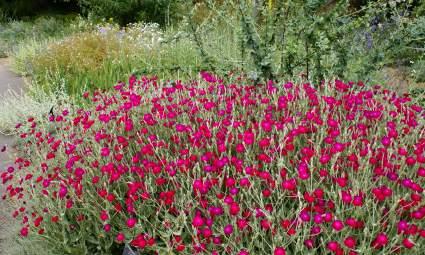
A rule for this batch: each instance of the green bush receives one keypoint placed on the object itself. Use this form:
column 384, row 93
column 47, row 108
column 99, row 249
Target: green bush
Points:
column 128, row 11
column 315, row 39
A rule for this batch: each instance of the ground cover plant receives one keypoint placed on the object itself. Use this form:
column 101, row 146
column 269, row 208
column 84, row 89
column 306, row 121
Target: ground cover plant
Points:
column 225, row 167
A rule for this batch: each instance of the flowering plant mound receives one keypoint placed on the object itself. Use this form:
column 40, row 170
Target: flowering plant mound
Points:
column 210, row 167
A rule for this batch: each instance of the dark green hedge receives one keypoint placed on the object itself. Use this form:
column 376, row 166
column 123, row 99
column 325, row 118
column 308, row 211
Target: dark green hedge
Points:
column 17, row 9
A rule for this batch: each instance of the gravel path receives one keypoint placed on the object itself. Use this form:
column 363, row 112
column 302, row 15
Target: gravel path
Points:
column 8, row 80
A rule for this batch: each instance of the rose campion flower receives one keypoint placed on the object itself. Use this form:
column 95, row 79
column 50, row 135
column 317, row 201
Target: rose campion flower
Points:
column 63, row 191
column 228, row 229
column 24, row 232
column 279, row 251
column 197, row 221
column 131, row 222
column 120, row 237
column 104, row 152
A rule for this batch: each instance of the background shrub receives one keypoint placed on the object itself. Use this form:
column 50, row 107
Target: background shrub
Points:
column 163, row 12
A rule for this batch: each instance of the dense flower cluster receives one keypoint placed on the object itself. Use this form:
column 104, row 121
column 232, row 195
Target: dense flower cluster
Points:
column 210, row 167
